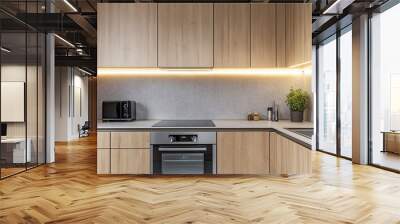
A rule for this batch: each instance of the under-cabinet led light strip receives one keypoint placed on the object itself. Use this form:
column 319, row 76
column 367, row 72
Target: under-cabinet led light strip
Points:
column 202, row 72
column 337, row 7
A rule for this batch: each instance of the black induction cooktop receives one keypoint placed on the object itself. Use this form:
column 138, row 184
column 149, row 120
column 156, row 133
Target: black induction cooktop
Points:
column 184, row 123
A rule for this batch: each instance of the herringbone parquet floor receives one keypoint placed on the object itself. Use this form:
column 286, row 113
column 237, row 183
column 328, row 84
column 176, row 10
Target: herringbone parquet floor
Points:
column 69, row 191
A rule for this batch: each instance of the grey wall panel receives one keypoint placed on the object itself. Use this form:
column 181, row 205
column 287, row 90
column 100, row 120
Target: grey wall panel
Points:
column 200, row 97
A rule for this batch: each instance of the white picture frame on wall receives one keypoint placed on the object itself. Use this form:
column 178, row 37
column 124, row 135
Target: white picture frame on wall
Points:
column 12, row 101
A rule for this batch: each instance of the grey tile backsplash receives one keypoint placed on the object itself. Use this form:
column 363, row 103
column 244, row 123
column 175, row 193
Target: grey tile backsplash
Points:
column 200, row 97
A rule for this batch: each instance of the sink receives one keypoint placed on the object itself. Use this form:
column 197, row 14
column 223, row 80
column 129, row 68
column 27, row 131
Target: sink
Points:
column 306, row 132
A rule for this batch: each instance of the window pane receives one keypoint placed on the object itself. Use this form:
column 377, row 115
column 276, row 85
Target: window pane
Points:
column 327, row 97
column 385, row 83
column 346, row 94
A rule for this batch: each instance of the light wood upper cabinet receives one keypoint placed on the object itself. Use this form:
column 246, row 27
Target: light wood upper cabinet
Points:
column 231, row 35
column 243, row 152
column 263, row 35
column 185, row 35
column 280, row 35
column 204, row 35
column 127, row 35
column 298, row 34
column 130, row 140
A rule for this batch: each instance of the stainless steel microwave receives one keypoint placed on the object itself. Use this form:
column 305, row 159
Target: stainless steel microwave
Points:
column 119, row 110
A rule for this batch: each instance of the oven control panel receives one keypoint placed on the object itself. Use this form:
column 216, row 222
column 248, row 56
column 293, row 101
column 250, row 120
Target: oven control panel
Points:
column 183, row 138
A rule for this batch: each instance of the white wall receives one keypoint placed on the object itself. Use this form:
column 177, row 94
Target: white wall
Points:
column 70, row 83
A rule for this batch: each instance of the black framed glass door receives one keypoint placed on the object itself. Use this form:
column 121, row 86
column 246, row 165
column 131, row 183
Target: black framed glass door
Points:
column 334, row 90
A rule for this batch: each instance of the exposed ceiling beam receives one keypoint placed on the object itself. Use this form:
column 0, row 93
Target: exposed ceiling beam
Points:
column 78, row 61
column 84, row 24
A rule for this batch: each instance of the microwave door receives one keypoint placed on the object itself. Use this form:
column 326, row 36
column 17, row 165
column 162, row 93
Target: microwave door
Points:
column 111, row 110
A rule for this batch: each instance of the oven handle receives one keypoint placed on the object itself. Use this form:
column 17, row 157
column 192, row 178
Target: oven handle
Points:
column 181, row 149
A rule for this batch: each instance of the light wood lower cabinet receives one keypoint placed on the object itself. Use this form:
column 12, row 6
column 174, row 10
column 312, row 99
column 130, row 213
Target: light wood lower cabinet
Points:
column 130, row 140
column 243, row 152
column 130, row 161
column 103, row 140
column 103, row 152
column 123, row 152
column 288, row 158
column 103, row 161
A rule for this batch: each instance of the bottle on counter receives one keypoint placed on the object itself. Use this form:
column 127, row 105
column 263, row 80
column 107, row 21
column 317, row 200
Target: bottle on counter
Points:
column 269, row 113
column 275, row 112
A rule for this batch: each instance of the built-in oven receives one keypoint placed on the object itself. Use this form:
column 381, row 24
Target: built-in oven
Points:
column 183, row 152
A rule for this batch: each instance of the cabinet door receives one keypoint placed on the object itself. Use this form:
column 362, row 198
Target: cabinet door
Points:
column 281, row 35
column 103, row 140
column 243, row 152
column 232, row 35
column 298, row 34
column 130, row 140
column 130, row 161
column 263, row 35
column 127, row 35
column 288, row 158
column 185, row 35
column 103, row 161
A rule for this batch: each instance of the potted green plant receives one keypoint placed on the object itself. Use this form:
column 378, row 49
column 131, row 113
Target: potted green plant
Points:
column 297, row 101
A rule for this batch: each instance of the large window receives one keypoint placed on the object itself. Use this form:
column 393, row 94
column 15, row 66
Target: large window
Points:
column 385, row 89
column 327, row 96
column 346, row 93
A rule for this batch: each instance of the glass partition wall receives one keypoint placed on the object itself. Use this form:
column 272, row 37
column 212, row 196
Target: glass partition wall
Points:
column 22, row 88
column 334, row 105
column 385, row 89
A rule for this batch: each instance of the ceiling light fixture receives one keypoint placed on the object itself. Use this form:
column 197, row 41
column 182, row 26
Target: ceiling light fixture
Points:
column 201, row 72
column 337, row 7
column 84, row 71
column 64, row 40
column 70, row 5
column 5, row 50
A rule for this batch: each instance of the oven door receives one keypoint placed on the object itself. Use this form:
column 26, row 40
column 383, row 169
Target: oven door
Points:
column 183, row 159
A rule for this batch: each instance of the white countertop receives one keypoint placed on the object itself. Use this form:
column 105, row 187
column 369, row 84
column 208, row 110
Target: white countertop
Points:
column 279, row 126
